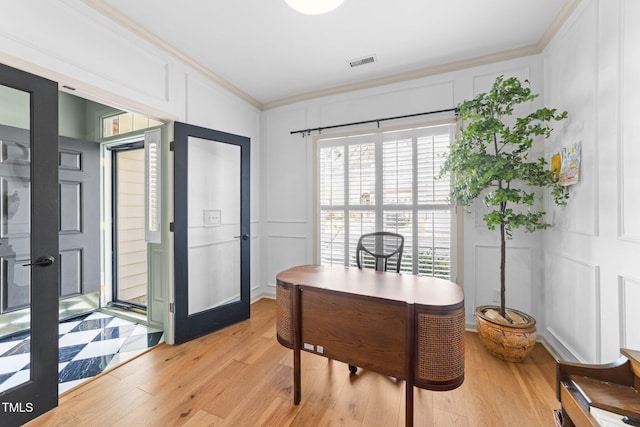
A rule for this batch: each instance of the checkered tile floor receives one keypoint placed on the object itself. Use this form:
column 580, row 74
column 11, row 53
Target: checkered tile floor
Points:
column 88, row 346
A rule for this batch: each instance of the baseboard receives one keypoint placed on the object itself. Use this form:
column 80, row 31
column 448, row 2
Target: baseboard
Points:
column 556, row 349
column 260, row 295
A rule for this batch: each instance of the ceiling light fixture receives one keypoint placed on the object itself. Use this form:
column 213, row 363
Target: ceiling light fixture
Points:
column 314, row 7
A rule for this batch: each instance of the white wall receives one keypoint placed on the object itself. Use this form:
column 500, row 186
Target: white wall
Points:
column 71, row 43
column 592, row 259
column 289, row 182
column 580, row 279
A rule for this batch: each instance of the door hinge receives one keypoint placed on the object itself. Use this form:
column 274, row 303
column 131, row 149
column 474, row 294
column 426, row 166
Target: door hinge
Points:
column 172, row 146
column 172, row 306
column 171, row 227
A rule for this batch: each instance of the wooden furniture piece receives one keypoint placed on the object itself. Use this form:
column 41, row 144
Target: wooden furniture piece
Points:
column 404, row 326
column 589, row 392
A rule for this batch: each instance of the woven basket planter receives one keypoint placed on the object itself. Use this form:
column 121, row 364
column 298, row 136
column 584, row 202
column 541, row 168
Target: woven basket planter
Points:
column 508, row 341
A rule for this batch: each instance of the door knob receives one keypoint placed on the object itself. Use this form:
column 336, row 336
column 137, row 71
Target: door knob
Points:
column 243, row 237
column 43, row 261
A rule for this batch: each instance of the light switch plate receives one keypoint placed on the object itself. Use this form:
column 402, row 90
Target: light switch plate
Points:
column 212, row 217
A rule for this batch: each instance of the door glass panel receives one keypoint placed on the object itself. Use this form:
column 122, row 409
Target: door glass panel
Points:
column 214, row 228
column 15, row 235
column 131, row 247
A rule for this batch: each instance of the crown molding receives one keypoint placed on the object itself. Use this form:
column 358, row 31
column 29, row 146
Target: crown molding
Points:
column 567, row 9
column 563, row 15
column 410, row 75
column 134, row 27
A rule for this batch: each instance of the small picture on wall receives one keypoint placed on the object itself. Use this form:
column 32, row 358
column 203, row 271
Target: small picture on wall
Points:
column 566, row 164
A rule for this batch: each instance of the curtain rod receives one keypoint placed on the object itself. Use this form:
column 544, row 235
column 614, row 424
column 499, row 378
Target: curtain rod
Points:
column 320, row 129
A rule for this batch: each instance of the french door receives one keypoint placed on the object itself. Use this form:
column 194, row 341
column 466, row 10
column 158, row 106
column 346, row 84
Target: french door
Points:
column 29, row 256
column 211, row 230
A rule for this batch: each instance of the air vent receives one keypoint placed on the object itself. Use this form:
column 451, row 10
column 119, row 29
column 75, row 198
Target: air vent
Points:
column 362, row 61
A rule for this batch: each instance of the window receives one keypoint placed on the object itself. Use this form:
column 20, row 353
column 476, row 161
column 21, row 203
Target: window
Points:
column 152, row 181
column 123, row 123
column 387, row 181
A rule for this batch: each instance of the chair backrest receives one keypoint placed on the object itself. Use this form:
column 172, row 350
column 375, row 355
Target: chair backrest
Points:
column 380, row 245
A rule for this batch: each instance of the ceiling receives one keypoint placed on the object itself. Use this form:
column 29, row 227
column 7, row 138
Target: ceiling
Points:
column 271, row 55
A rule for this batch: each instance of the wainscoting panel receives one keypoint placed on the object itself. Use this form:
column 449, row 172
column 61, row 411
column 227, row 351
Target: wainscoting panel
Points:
column 629, row 313
column 51, row 36
column 284, row 252
column 573, row 306
column 571, row 84
column 431, row 97
column 288, row 169
column 519, row 277
column 204, row 108
column 630, row 149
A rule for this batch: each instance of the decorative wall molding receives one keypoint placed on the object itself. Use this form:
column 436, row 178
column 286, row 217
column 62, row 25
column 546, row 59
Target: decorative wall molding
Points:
column 283, row 221
column 571, row 83
column 629, row 291
column 520, row 292
column 577, row 329
column 286, row 177
column 284, row 251
column 135, row 28
column 628, row 151
column 284, row 236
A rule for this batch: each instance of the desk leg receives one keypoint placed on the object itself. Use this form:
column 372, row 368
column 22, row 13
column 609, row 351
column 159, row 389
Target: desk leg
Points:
column 409, row 404
column 296, row 376
column 297, row 338
column 409, row 366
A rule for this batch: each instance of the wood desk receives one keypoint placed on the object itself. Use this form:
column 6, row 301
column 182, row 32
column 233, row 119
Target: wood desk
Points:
column 408, row 327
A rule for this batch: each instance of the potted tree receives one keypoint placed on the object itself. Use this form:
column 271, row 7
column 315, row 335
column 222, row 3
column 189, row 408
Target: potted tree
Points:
column 492, row 160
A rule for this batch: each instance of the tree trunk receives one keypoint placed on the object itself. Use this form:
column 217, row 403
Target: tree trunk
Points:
column 503, row 261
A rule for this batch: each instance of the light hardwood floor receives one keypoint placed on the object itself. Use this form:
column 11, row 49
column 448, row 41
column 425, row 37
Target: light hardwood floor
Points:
column 241, row 376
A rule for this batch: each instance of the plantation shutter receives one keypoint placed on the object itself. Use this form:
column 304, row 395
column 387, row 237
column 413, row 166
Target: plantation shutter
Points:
column 332, row 191
column 387, row 182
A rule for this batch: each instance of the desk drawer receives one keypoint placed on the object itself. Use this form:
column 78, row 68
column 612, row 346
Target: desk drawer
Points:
column 574, row 408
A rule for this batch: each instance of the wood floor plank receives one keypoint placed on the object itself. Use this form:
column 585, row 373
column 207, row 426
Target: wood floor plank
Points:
column 92, row 414
column 241, row 376
column 351, row 403
column 258, row 406
column 203, row 418
column 280, row 413
column 385, row 403
column 57, row 418
column 231, row 389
